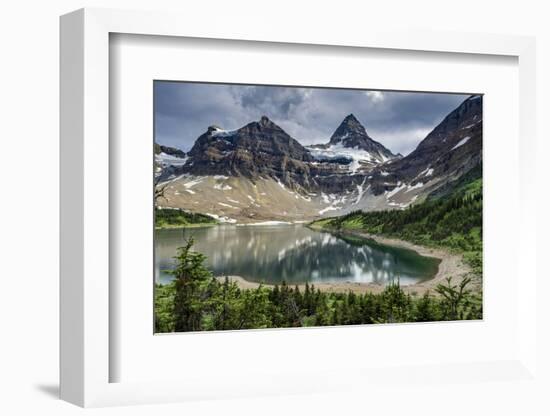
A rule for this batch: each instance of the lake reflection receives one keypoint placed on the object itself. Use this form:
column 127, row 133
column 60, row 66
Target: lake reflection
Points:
column 293, row 253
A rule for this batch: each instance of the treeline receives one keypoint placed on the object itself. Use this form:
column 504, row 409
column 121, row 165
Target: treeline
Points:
column 454, row 221
column 179, row 218
column 196, row 301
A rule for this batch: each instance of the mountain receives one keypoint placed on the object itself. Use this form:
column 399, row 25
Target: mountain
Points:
column 450, row 150
column 455, row 144
column 172, row 151
column 167, row 159
column 351, row 141
column 352, row 135
column 259, row 148
column 260, row 173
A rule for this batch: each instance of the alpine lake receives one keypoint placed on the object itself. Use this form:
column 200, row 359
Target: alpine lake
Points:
column 292, row 253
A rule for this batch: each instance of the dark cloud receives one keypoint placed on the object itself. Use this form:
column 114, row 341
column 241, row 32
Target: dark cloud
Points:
column 399, row 120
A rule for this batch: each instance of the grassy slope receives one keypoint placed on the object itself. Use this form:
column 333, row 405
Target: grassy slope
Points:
column 176, row 218
column 452, row 220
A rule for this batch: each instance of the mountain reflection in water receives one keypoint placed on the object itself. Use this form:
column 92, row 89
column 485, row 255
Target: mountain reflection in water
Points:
column 293, row 253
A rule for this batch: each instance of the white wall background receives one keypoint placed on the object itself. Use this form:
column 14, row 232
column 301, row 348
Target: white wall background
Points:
column 29, row 206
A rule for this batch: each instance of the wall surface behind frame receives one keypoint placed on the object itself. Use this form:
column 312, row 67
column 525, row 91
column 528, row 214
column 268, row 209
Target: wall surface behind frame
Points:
column 29, row 210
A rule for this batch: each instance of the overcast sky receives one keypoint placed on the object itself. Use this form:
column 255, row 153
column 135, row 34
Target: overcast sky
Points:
column 398, row 120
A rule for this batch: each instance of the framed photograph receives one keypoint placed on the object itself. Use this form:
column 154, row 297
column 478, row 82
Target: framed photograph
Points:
column 257, row 229
column 238, row 213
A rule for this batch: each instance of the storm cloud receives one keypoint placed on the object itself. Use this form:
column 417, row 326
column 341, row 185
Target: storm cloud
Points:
column 398, row 120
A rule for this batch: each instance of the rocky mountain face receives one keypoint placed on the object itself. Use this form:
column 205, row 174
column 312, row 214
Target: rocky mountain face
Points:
column 168, row 159
column 352, row 135
column 260, row 147
column 172, row 151
column 350, row 144
column 259, row 172
column 451, row 149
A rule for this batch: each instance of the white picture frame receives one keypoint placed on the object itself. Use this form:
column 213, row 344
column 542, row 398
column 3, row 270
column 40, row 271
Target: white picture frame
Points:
column 85, row 351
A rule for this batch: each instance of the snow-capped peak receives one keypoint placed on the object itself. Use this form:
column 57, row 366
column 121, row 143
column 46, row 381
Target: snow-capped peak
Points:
column 351, row 134
column 216, row 131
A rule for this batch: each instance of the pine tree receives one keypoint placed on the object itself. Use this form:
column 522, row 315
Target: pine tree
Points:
column 190, row 274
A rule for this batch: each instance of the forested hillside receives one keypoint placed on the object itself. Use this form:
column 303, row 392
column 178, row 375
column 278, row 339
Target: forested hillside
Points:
column 175, row 218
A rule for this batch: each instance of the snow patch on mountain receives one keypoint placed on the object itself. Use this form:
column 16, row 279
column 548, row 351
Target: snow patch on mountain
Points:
column 222, row 218
column 222, row 187
column 361, row 191
column 462, row 142
column 194, row 182
column 395, row 190
column 329, row 208
column 337, row 202
column 265, row 223
column 426, row 172
column 282, row 185
column 355, row 155
column 166, row 160
column 217, row 132
column 412, row 187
